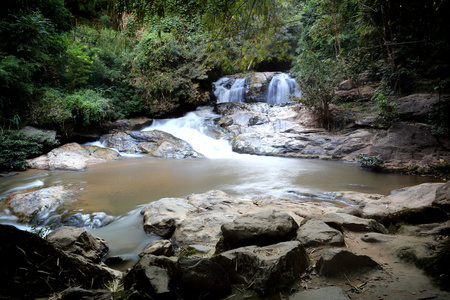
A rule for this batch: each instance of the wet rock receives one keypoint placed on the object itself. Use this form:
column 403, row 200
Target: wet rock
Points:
column 159, row 247
column 268, row 269
column 335, row 261
column 262, row 228
column 79, row 241
column 326, row 293
column 201, row 276
column 130, row 124
column 314, row 233
column 36, row 206
column 153, row 275
column 72, row 157
column 34, row 268
column 94, row 220
column 154, row 143
column 352, row 223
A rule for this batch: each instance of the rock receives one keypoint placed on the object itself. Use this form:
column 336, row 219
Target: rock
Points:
column 411, row 204
column 79, row 241
column 442, row 199
column 198, row 218
column 93, row 220
column 159, row 247
column 201, row 276
column 154, row 143
column 374, row 237
column 352, row 223
column 336, row 261
column 130, row 124
column 352, row 94
column 268, row 269
column 153, row 275
column 35, row 206
column 262, row 228
column 34, row 268
column 29, row 130
column 72, row 157
column 408, row 145
column 327, row 293
column 314, row 233
column 417, row 107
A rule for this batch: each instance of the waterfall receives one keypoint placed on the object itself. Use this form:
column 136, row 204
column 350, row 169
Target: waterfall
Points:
column 280, row 87
column 230, row 90
column 198, row 129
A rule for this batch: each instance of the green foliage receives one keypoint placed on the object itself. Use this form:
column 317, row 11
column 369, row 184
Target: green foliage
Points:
column 388, row 111
column 89, row 107
column 317, row 79
column 40, row 231
column 373, row 162
column 167, row 73
column 16, row 147
column 439, row 118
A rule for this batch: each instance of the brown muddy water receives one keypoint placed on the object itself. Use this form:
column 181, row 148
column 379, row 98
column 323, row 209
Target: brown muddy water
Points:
column 120, row 188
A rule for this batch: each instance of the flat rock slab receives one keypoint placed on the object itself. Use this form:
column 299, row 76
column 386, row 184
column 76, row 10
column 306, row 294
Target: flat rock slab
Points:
column 73, row 157
column 328, row 293
column 352, row 223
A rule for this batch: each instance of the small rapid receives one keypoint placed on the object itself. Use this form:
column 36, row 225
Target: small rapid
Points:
column 198, row 129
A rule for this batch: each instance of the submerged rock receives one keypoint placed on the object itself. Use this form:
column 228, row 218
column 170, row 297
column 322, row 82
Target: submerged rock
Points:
column 73, row 157
column 155, row 143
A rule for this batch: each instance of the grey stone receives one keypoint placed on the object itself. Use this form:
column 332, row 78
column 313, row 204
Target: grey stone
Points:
column 374, row 237
column 442, row 198
column 335, row 261
column 316, row 233
column 159, row 247
column 352, row 223
column 262, row 228
column 268, row 269
column 327, row 293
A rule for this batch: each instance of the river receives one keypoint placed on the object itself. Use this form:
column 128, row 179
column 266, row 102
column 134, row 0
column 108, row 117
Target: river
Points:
column 120, row 188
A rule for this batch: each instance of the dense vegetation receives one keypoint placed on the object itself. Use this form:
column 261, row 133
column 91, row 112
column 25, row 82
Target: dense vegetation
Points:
column 76, row 64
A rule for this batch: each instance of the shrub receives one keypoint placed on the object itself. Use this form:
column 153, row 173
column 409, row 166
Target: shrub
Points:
column 16, row 147
column 373, row 162
column 388, row 111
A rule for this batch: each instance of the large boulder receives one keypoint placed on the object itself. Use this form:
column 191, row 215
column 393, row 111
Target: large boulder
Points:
column 155, row 143
column 79, row 241
column 442, row 199
column 314, row 232
column 334, row 262
column 261, row 228
column 417, row 107
column 130, row 124
column 73, row 157
column 34, row 268
column 268, row 269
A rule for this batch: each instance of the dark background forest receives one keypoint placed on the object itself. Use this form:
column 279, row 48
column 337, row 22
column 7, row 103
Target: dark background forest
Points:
column 73, row 65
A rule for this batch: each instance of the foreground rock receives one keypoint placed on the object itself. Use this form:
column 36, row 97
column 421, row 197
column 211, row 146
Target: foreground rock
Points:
column 198, row 218
column 155, row 143
column 315, row 232
column 73, row 157
column 336, row 261
column 35, row 206
column 34, row 268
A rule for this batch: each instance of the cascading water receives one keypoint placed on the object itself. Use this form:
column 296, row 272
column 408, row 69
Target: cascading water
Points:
column 280, row 87
column 230, row 90
column 198, row 129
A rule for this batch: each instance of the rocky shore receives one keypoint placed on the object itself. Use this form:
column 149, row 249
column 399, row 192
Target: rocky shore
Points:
column 216, row 246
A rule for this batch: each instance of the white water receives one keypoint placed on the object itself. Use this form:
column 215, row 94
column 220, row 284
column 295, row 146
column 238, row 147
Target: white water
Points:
column 280, row 87
column 235, row 93
column 196, row 128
